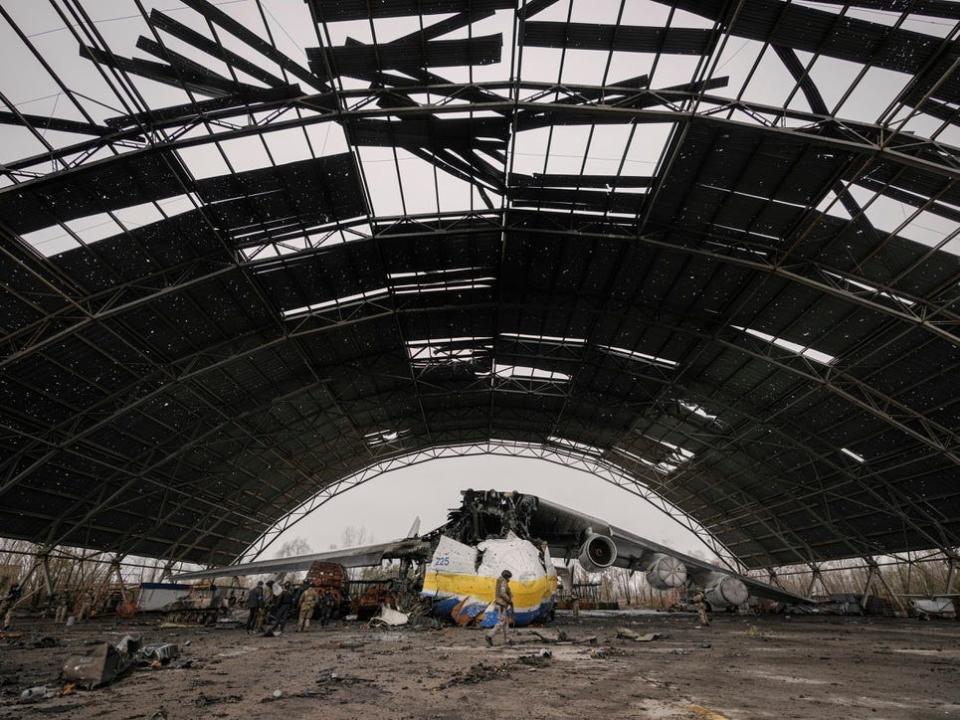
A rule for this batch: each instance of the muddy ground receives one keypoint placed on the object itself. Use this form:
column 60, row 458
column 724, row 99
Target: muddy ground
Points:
column 771, row 667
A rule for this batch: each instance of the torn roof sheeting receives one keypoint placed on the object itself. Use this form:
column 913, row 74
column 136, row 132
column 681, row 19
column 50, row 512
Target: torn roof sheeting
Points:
column 711, row 244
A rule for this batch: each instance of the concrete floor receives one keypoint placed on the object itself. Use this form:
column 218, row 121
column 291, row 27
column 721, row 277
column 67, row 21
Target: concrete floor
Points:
column 771, row 667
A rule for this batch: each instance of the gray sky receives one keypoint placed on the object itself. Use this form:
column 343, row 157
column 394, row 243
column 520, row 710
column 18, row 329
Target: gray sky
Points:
column 387, row 505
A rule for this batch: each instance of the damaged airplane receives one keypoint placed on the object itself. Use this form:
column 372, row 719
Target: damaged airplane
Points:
column 455, row 567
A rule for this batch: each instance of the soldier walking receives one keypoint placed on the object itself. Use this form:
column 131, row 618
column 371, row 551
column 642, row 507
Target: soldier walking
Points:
column 308, row 601
column 503, row 602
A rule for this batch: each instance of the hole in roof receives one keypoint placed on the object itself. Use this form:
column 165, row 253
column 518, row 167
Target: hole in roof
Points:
column 436, row 352
column 663, row 467
column 871, row 290
column 385, row 436
column 56, row 239
column 697, row 410
column 795, row 348
column 639, row 356
column 575, row 445
column 525, row 372
column 905, row 220
column 544, row 339
column 340, row 302
column 856, row 456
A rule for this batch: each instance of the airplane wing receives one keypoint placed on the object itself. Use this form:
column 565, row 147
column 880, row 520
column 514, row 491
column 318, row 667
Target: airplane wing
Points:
column 365, row 556
column 564, row 529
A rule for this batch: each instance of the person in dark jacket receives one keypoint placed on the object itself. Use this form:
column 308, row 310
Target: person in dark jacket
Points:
column 254, row 603
column 7, row 605
column 328, row 604
column 283, row 609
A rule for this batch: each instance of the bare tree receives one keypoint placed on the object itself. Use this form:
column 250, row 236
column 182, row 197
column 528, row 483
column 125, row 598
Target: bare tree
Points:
column 354, row 535
column 294, row 547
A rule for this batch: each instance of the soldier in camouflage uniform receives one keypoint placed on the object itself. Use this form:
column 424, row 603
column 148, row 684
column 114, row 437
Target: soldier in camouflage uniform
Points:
column 308, row 601
column 700, row 601
column 503, row 602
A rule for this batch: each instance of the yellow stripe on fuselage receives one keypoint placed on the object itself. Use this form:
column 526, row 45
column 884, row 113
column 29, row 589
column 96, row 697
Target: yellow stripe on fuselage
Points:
column 527, row 594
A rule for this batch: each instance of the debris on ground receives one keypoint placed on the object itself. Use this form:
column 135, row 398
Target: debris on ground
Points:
column 163, row 653
column 205, row 700
column 328, row 677
column 101, row 665
column 390, row 618
column 541, row 658
column 36, row 694
column 129, row 645
column 481, row 672
column 551, row 637
column 104, row 663
column 45, row 642
column 628, row 634
column 706, row 713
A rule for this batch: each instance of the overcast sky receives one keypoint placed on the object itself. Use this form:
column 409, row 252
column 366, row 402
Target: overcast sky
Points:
column 387, row 505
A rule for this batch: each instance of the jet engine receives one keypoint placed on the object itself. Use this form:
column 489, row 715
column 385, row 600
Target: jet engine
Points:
column 597, row 553
column 725, row 591
column 665, row 572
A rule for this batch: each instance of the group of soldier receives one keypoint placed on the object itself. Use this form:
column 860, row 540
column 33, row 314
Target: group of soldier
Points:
column 270, row 606
column 79, row 605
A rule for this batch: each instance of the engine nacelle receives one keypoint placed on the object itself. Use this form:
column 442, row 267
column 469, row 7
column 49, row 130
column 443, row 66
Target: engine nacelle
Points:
column 666, row 572
column 726, row 591
column 597, row 553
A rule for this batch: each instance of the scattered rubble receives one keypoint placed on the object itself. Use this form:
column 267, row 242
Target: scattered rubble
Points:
column 36, row 694
column 538, row 659
column 478, row 673
column 627, row 634
column 390, row 618
column 101, row 665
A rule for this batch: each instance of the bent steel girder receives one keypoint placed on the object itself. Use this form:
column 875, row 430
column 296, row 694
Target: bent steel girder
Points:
column 940, row 158
column 841, row 383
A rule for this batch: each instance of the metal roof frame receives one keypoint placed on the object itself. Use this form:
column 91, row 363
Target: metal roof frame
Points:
column 180, row 388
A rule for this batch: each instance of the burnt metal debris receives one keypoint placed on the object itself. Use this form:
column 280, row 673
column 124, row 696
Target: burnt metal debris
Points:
column 735, row 327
